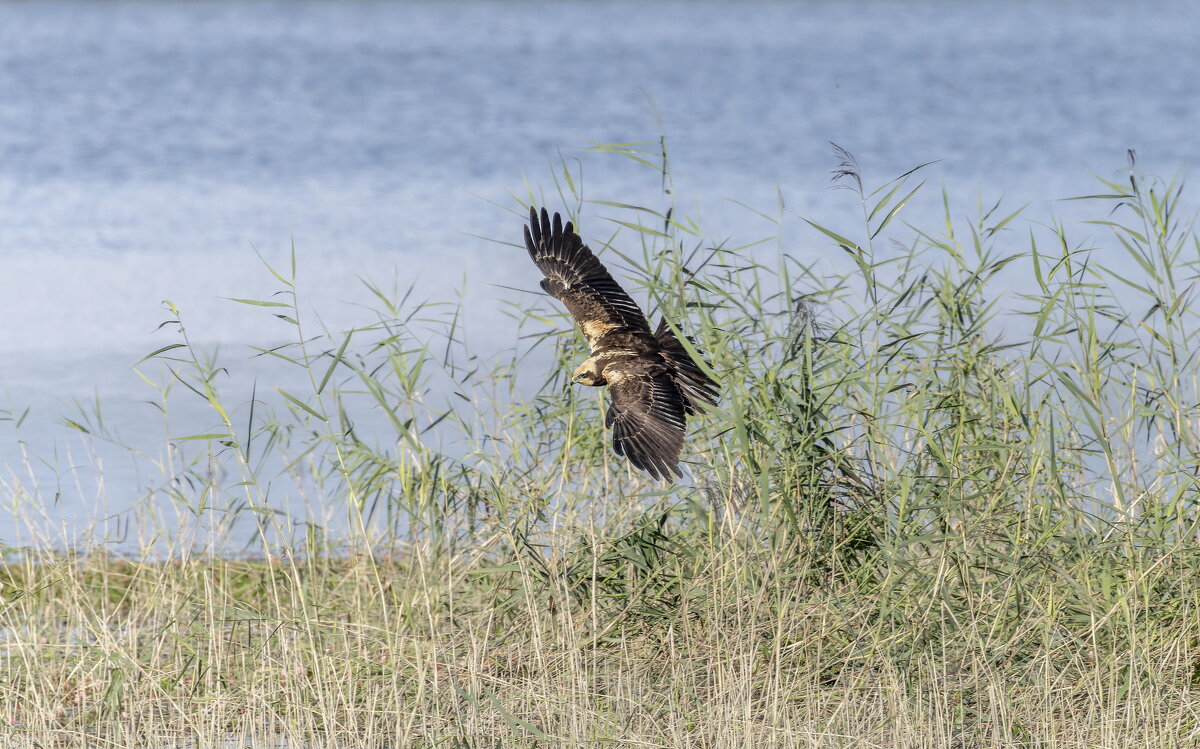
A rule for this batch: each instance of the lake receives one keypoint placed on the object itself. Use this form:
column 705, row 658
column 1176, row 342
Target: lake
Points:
column 156, row 151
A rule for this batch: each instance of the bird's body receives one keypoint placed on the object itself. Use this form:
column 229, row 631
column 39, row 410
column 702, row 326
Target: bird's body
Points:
column 655, row 383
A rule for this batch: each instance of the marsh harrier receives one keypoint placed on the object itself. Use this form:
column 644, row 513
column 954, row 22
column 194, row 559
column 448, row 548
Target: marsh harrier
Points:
column 654, row 383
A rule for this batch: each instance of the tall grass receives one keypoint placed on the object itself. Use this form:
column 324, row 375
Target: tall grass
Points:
column 949, row 499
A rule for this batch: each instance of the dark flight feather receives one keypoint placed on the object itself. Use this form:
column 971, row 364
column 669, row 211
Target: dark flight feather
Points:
column 647, row 418
column 579, row 280
column 698, row 390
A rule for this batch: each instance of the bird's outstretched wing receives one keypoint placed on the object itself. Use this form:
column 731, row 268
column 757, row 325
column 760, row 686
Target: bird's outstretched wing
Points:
column 646, row 416
column 579, row 280
column 699, row 391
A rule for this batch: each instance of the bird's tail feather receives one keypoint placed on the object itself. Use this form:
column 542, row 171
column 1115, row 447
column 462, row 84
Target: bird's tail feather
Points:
column 698, row 389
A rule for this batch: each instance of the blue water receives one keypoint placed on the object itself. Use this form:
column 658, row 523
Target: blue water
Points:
column 153, row 151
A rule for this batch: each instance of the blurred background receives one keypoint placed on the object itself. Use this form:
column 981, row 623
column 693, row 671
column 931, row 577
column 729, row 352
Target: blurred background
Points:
column 155, row 151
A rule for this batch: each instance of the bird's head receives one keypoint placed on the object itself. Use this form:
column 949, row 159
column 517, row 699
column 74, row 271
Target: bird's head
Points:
column 588, row 374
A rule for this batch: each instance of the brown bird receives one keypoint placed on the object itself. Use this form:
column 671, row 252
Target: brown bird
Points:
column 654, row 383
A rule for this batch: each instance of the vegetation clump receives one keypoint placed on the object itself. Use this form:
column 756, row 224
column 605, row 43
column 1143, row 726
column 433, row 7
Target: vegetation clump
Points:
column 949, row 498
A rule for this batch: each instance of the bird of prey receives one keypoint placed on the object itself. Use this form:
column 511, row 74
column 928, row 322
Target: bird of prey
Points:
column 654, row 383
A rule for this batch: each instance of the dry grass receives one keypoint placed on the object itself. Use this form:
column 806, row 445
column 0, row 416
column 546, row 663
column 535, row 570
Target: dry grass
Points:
column 361, row 652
